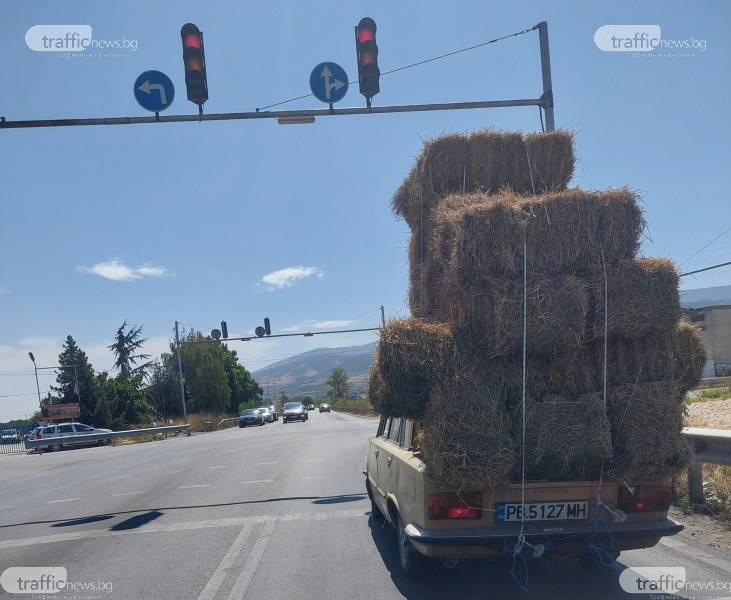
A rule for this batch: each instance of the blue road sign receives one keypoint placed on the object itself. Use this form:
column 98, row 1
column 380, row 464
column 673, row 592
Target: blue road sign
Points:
column 154, row 91
column 329, row 82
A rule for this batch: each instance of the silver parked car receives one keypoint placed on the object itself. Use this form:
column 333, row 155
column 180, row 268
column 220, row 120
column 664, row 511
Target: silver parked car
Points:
column 70, row 430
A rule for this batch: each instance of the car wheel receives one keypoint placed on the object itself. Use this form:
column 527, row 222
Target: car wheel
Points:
column 410, row 560
column 56, row 447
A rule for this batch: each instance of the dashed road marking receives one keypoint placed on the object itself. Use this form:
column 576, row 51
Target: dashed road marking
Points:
column 63, row 500
column 257, row 481
column 120, row 477
column 190, row 487
column 268, row 463
column 219, row 467
column 129, row 493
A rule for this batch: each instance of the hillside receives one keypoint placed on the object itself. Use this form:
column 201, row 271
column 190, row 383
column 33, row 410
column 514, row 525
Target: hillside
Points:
column 306, row 373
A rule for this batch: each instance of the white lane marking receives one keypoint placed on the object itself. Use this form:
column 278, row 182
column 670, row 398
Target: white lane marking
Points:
column 63, row 500
column 320, row 477
column 312, row 460
column 257, row 481
column 724, row 565
column 181, row 526
column 219, row 467
column 190, row 487
column 214, row 583
column 129, row 493
column 268, row 463
column 171, row 472
column 238, row 591
column 120, row 477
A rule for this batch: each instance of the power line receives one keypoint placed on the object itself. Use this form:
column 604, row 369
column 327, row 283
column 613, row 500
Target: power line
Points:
column 416, row 64
column 706, row 246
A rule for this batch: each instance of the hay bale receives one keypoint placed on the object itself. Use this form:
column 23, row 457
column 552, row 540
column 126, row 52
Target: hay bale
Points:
column 427, row 291
column 643, row 299
column 563, row 233
column 566, row 437
column 488, row 161
column 490, row 319
column 466, row 439
column 570, row 372
column 647, row 420
column 411, row 356
column 678, row 357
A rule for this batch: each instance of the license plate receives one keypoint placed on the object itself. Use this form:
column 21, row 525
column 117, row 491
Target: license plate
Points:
column 543, row 511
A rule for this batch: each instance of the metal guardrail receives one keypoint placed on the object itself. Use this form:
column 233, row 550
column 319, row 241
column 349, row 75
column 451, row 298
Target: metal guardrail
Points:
column 709, row 446
column 90, row 438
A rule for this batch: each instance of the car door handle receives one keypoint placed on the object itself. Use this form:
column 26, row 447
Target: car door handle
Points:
column 388, row 461
column 376, row 453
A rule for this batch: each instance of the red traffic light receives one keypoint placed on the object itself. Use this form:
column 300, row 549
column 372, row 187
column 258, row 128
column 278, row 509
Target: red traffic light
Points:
column 194, row 62
column 367, row 54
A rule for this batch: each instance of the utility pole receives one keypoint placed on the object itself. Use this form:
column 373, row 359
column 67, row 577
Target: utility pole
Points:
column 180, row 372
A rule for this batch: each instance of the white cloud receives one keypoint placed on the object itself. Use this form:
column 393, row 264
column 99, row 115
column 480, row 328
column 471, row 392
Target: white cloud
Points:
column 288, row 277
column 3, row 290
column 116, row 270
column 332, row 324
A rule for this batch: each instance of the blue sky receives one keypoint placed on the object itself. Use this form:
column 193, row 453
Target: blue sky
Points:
column 241, row 220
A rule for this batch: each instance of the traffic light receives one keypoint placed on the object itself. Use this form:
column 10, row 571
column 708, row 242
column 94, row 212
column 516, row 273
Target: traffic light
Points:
column 267, row 328
column 367, row 53
column 224, row 330
column 194, row 60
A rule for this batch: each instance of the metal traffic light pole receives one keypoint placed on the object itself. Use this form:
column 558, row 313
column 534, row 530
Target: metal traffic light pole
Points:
column 307, row 116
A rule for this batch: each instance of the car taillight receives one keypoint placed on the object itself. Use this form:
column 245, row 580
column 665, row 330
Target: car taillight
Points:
column 455, row 506
column 648, row 498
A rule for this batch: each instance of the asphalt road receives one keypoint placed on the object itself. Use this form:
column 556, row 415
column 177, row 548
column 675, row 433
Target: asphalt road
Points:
column 267, row 513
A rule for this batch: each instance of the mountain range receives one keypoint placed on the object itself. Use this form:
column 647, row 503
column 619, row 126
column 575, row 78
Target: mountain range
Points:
column 306, row 374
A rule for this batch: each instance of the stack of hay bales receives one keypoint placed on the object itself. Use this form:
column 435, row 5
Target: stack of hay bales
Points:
column 501, row 252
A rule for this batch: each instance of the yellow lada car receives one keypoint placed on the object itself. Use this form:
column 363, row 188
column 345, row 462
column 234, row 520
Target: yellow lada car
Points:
column 560, row 522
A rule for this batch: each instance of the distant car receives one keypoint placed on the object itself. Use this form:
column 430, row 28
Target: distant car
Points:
column 310, row 406
column 324, row 408
column 275, row 414
column 251, row 416
column 70, row 430
column 9, row 436
column 294, row 411
column 267, row 414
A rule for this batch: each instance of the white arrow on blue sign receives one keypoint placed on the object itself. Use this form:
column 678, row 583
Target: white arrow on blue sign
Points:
column 154, row 91
column 329, row 82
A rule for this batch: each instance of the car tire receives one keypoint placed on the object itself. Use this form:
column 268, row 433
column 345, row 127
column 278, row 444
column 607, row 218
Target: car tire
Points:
column 410, row 560
column 56, row 447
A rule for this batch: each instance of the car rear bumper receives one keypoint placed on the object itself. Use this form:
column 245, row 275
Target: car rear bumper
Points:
column 625, row 536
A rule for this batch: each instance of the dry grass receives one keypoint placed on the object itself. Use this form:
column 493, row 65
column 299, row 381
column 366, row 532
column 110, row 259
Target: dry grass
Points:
column 646, row 421
column 412, row 355
column 466, row 439
column 567, row 438
column 642, row 299
column 198, row 421
column 487, row 161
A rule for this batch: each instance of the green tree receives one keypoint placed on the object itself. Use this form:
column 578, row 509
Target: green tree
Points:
column 205, row 374
column 244, row 390
column 126, row 347
column 75, row 381
column 338, row 383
